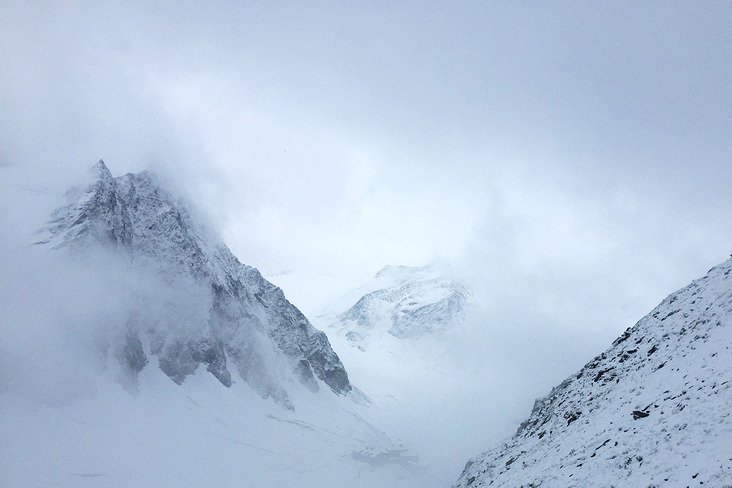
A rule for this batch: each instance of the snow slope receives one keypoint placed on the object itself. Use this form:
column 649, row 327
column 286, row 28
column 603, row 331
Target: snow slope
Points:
column 196, row 434
column 652, row 410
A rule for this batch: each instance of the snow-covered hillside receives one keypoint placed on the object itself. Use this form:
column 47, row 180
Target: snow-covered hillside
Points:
column 651, row 411
column 196, row 434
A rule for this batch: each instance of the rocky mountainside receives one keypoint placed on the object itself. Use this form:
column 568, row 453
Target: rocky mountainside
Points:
column 651, row 411
column 406, row 302
column 207, row 307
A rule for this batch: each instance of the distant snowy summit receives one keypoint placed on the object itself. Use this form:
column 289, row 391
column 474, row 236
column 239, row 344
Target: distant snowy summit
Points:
column 405, row 302
column 205, row 307
column 651, row 411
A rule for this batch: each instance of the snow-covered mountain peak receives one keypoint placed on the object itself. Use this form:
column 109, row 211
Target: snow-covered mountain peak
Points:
column 215, row 310
column 405, row 302
column 99, row 171
column 652, row 410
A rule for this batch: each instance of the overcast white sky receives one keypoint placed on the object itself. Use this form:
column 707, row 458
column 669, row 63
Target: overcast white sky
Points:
column 570, row 158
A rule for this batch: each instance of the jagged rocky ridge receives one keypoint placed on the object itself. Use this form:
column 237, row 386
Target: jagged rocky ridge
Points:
column 409, row 302
column 653, row 410
column 217, row 311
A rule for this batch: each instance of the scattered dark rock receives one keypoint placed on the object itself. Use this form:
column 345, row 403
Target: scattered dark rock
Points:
column 622, row 338
column 601, row 373
column 639, row 414
column 572, row 416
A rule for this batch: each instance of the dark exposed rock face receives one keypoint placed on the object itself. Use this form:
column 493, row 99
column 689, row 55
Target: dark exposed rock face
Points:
column 133, row 354
column 652, row 410
column 240, row 317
